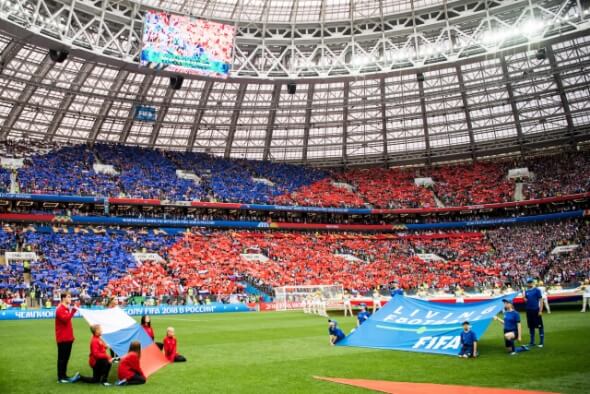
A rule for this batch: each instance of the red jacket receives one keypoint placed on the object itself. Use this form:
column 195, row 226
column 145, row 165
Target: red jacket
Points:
column 63, row 324
column 149, row 331
column 170, row 348
column 98, row 351
column 129, row 366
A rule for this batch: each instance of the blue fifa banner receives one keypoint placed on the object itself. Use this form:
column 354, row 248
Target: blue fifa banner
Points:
column 414, row 325
column 293, row 208
column 143, row 113
column 499, row 221
column 215, row 307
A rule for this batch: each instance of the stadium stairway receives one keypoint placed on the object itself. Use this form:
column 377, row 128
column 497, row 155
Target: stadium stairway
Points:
column 518, row 194
column 439, row 203
column 14, row 188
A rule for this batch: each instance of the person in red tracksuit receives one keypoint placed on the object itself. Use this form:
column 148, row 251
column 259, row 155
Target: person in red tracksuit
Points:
column 170, row 347
column 99, row 360
column 64, row 336
column 129, row 369
column 146, row 324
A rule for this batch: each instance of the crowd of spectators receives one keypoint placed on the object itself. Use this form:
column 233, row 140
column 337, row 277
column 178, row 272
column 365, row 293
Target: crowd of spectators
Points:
column 149, row 173
column 207, row 264
column 213, row 260
column 224, row 180
column 17, row 149
column 245, row 181
column 324, row 193
column 390, row 188
column 469, row 184
column 525, row 251
column 290, row 176
column 83, row 261
column 556, row 175
column 99, row 262
column 68, row 170
column 12, row 279
column 4, row 180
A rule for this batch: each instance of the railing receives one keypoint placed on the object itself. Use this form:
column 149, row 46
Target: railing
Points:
column 286, row 208
column 256, row 225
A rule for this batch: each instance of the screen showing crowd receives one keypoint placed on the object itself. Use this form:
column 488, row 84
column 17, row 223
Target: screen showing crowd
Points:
column 187, row 45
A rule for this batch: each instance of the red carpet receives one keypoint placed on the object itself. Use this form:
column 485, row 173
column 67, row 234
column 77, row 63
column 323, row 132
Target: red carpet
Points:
column 423, row 388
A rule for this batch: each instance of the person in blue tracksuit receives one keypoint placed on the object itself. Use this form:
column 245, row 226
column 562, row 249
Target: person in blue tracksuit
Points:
column 362, row 316
column 512, row 328
column 396, row 290
column 468, row 342
column 533, row 298
column 336, row 334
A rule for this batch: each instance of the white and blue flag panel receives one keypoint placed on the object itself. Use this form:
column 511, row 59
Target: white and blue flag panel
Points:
column 118, row 328
column 414, row 325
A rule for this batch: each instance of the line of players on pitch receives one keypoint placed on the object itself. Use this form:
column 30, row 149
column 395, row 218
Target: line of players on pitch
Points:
column 534, row 303
column 316, row 304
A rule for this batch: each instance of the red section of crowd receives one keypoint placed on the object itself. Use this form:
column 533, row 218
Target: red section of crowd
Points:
column 390, row 188
column 203, row 262
column 323, row 193
column 149, row 278
column 213, row 262
column 456, row 185
column 477, row 183
column 379, row 259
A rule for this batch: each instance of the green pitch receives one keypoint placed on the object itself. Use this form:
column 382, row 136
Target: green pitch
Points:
column 281, row 352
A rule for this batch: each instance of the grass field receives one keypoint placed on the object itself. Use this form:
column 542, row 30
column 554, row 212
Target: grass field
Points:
column 281, row 352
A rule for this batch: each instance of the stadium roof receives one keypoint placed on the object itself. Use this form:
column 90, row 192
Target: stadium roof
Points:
column 511, row 76
column 292, row 11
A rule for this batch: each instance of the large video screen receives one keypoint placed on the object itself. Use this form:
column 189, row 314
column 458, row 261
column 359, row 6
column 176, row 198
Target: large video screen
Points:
column 186, row 45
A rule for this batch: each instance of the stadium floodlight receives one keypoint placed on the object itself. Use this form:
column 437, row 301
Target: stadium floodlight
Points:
column 359, row 61
column 532, row 27
column 489, row 37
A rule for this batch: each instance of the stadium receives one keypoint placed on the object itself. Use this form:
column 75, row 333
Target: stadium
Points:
column 302, row 195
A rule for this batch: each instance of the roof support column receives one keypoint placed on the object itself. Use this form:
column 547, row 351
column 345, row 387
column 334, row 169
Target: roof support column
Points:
column 424, row 120
column 161, row 115
column 199, row 115
column 512, row 102
column 23, row 99
column 383, row 120
column 107, row 104
column 140, row 98
column 307, row 126
column 564, row 101
column 9, row 53
column 466, row 110
column 234, row 120
column 345, row 122
column 68, row 99
column 274, row 104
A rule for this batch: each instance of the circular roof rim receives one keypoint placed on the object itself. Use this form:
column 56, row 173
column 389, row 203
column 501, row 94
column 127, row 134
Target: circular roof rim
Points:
column 408, row 13
column 23, row 35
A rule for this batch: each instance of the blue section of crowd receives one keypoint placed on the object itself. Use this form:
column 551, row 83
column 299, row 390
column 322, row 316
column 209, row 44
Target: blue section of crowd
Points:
column 151, row 174
column 78, row 261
